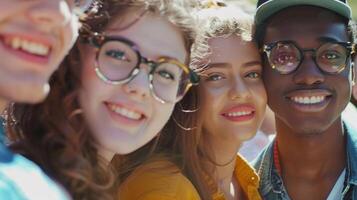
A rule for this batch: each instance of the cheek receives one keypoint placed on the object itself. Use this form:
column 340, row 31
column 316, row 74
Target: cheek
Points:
column 341, row 84
column 210, row 97
column 260, row 98
column 91, row 84
column 259, row 94
column 160, row 115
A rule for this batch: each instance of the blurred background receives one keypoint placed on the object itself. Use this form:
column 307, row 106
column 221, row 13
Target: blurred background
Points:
column 353, row 4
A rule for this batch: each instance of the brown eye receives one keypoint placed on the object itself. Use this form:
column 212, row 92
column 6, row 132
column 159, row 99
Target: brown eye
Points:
column 253, row 75
column 214, row 77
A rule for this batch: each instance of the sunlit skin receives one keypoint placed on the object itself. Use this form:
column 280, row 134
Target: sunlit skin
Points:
column 231, row 85
column 115, row 133
column 310, row 139
column 25, row 71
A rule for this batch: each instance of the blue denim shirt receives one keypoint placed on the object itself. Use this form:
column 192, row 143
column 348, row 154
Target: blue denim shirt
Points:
column 271, row 185
column 20, row 179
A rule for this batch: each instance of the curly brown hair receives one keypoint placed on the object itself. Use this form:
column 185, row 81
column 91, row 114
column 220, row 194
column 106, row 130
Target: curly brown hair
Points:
column 54, row 133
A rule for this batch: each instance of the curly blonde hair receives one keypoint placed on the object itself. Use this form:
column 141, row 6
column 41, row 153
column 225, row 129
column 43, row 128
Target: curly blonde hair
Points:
column 222, row 19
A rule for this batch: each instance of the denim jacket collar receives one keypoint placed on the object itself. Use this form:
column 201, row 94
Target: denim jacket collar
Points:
column 269, row 179
column 351, row 147
column 271, row 182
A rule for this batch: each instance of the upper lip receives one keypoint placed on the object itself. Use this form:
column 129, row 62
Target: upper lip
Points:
column 239, row 108
column 308, row 93
column 129, row 106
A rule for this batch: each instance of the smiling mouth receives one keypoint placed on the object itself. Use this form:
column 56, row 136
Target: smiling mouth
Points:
column 310, row 100
column 238, row 114
column 27, row 46
column 125, row 112
column 314, row 100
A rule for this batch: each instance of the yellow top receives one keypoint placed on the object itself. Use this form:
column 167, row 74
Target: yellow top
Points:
column 162, row 180
column 157, row 180
column 247, row 178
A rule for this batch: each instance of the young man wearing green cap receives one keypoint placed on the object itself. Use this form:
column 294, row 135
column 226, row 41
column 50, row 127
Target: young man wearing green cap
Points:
column 308, row 52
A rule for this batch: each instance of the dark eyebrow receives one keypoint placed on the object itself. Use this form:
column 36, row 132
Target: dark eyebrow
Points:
column 219, row 65
column 252, row 63
column 228, row 65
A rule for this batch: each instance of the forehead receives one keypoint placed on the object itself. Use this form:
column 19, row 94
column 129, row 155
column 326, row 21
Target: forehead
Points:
column 154, row 35
column 305, row 24
column 232, row 49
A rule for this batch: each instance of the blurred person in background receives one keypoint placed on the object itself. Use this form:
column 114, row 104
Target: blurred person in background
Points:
column 35, row 37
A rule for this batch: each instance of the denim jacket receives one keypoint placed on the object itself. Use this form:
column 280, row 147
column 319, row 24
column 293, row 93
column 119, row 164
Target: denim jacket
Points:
column 271, row 185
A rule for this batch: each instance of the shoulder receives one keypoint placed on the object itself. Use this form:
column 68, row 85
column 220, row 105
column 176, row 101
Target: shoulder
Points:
column 247, row 178
column 157, row 180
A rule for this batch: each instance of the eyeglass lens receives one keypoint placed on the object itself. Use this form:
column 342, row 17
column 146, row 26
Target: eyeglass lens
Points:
column 118, row 60
column 286, row 57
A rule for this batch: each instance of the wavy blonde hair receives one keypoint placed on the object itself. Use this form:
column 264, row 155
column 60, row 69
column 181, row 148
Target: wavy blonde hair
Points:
column 222, row 20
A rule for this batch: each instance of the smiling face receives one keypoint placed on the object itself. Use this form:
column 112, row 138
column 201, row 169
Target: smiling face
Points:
column 231, row 89
column 34, row 38
column 125, row 117
column 307, row 100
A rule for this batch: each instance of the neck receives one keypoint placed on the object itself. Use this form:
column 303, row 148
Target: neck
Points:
column 223, row 154
column 3, row 104
column 106, row 154
column 311, row 156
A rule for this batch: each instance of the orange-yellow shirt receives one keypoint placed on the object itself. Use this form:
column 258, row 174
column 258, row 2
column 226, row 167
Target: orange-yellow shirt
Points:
column 157, row 180
column 162, row 180
column 247, row 179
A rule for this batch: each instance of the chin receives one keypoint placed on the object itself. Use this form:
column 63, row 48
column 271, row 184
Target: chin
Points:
column 248, row 137
column 242, row 136
column 125, row 150
column 32, row 98
column 309, row 129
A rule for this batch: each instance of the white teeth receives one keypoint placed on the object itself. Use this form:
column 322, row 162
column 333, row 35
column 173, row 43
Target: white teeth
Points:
column 125, row 112
column 308, row 100
column 239, row 114
column 29, row 46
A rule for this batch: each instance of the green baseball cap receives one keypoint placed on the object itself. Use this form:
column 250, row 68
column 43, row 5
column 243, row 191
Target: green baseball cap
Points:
column 267, row 8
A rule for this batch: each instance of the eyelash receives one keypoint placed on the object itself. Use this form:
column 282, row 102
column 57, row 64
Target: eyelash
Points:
column 257, row 75
column 211, row 77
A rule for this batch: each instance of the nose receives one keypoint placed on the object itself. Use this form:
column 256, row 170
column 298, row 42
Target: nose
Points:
column 139, row 87
column 239, row 89
column 50, row 14
column 308, row 73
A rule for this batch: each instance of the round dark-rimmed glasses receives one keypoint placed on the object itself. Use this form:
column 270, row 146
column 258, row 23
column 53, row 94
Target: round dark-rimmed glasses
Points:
column 118, row 61
column 331, row 57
